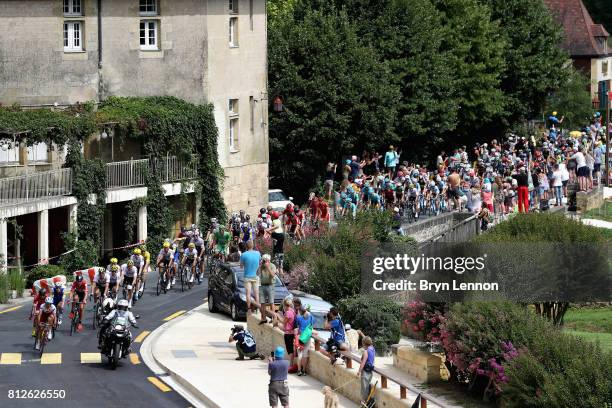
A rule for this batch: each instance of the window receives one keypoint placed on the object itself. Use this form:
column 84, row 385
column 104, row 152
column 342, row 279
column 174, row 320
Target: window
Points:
column 604, row 67
column 251, row 13
column 73, row 34
column 252, row 107
column 233, row 6
column 233, row 134
column 233, row 32
column 233, row 107
column 72, row 7
column 148, row 35
column 148, row 7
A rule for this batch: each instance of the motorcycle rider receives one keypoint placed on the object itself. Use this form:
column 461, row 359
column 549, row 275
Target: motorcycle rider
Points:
column 120, row 311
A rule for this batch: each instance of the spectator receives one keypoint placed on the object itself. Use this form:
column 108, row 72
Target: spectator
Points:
column 330, row 174
column 366, row 369
column 485, row 219
column 278, row 389
column 582, row 169
column 523, row 190
column 303, row 332
column 245, row 343
column 337, row 338
column 557, row 183
column 288, row 319
column 391, row 160
column 234, row 254
column 267, row 278
column 352, row 337
column 250, row 261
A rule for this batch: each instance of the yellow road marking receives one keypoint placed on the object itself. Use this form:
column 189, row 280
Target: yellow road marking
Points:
column 91, row 358
column 174, row 315
column 51, row 358
column 141, row 336
column 10, row 358
column 11, row 309
column 156, row 382
column 134, row 358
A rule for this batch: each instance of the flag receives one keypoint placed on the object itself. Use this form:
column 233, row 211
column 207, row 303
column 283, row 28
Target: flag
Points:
column 417, row 402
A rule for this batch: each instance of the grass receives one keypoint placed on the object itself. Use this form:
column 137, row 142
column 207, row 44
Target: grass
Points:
column 593, row 324
column 601, row 213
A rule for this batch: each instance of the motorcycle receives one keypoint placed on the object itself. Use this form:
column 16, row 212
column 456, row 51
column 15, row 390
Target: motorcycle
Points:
column 118, row 339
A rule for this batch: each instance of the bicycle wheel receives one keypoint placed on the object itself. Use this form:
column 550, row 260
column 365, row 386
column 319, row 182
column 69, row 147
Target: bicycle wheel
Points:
column 182, row 279
column 73, row 325
column 158, row 286
column 95, row 315
column 143, row 285
column 43, row 342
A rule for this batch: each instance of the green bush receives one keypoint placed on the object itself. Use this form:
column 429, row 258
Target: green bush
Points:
column 559, row 370
column 4, row 288
column 16, row 282
column 84, row 256
column 377, row 316
column 43, row 271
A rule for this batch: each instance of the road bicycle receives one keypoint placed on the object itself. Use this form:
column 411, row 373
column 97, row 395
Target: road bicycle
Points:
column 98, row 312
column 75, row 316
column 44, row 339
column 162, row 279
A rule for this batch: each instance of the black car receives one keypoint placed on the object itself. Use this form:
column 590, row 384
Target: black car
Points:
column 226, row 291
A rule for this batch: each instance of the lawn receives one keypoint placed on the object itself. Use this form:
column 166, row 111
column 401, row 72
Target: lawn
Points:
column 601, row 213
column 594, row 324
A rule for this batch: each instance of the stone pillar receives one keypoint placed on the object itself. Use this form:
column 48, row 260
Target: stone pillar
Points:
column 72, row 218
column 142, row 223
column 43, row 235
column 23, row 154
column 3, row 246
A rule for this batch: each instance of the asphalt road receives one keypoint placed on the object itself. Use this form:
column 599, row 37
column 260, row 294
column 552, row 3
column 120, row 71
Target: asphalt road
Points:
column 91, row 384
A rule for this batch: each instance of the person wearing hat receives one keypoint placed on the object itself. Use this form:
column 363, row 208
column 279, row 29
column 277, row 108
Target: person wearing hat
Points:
column 278, row 388
column 391, row 160
column 245, row 343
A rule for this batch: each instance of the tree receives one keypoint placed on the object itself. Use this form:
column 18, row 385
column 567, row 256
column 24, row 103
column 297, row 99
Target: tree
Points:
column 534, row 60
column 573, row 100
column 338, row 96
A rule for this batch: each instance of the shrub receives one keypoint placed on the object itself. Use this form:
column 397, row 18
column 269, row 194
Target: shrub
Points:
column 85, row 254
column 297, row 278
column 559, row 370
column 4, row 288
column 377, row 316
column 424, row 319
column 16, row 282
column 478, row 338
column 41, row 272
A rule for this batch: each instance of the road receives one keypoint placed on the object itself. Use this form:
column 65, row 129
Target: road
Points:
column 86, row 378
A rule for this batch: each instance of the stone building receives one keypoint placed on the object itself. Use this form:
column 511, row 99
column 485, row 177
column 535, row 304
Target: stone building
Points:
column 55, row 53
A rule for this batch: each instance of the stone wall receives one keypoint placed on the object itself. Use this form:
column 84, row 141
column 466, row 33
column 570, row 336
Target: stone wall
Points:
column 588, row 201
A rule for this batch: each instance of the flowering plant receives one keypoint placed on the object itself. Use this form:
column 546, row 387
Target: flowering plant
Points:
column 424, row 320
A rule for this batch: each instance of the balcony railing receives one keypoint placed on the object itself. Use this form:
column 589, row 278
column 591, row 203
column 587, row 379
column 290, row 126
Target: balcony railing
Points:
column 34, row 187
column 132, row 173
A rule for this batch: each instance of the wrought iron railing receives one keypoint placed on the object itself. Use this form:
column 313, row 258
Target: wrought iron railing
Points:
column 36, row 186
column 132, row 173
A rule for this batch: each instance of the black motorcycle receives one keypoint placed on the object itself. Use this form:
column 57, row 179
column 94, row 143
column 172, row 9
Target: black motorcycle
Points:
column 117, row 341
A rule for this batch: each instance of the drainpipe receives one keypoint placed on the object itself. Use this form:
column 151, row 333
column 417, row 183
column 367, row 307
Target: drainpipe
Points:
column 99, row 34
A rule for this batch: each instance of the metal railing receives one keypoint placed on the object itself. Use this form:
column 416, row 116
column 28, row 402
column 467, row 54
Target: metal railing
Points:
column 132, row 173
column 36, row 186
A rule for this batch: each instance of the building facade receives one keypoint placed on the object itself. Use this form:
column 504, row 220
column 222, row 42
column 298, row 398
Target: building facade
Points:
column 55, row 53
column 587, row 44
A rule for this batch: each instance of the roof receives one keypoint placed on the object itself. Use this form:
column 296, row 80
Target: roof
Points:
column 583, row 38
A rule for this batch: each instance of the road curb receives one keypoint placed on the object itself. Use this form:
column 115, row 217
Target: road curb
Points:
column 195, row 396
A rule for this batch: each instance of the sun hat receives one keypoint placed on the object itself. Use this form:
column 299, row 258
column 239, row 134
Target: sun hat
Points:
column 279, row 352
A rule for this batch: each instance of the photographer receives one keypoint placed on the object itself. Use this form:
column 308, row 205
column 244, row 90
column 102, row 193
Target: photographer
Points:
column 337, row 340
column 245, row 343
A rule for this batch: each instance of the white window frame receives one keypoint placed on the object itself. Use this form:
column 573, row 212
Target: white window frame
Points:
column 232, row 107
column 72, row 5
column 233, row 32
column 148, row 46
column 233, row 131
column 72, row 42
column 232, row 6
column 146, row 4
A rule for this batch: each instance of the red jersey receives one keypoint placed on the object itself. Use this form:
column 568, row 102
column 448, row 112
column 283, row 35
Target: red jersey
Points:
column 313, row 205
column 323, row 208
column 79, row 286
column 39, row 301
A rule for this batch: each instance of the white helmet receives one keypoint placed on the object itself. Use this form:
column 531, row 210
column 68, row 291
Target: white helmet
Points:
column 108, row 304
column 122, row 304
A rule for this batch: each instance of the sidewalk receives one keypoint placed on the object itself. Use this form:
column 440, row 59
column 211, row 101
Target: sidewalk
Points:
column 196, row 353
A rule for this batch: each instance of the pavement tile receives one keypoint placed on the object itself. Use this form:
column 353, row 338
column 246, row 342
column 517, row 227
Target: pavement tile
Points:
column 184, row 354
column 91, row 358
column 10, row 358
column 51, row 358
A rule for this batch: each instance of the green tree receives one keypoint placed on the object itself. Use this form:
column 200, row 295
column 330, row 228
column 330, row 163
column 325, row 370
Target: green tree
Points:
column 573, row 100
column 534, row 60
column 338, row 96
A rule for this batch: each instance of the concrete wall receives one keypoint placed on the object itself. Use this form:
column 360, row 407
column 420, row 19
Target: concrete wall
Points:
column 446, row 223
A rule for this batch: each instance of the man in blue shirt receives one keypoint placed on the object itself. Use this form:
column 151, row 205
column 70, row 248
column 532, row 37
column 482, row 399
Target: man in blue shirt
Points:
column 337, row 338
column 278, row 368
column 250, row 261
column 245, row 343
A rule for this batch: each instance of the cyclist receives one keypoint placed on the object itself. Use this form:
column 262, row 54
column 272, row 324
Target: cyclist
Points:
column 300, row 218
column 146, row 268
column 264, row 221
column 138, row 260
column 278, row 239
column 244, row 217
column 190, row 257
column 100, row 284
column 58, row 300
column 166, row 258
column 113, row 261
column 129, row 273
column 221, row 240
column 248, row 232
column 114, row 278
column 200, row 247
column 79, row 296
column 38, row 301
column 45, row 315
column 235, row 227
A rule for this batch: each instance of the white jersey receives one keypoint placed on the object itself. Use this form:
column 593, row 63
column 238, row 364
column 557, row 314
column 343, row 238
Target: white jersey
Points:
column 138, row 260
column 101, row 276
column 130, row 272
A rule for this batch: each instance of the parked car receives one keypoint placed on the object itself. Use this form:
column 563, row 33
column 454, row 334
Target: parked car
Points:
column 278, row 200
column 226, row 291
column 319, row 309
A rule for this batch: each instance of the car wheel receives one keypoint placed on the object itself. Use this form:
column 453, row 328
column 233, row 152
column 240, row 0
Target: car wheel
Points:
column 234, row 312
column 212, row 308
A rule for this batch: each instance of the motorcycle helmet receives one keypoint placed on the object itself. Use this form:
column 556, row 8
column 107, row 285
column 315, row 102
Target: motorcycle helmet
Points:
column 122, row 305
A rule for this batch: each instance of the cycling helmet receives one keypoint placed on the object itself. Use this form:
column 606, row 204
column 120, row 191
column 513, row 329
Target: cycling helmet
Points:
column 58, row 284
column 247, row 217
column 79, row 278
column 213, row 220
column 130, row 263
column 115, row 268
column 122, row 305
column 191, row 245
column 166, row 244
column 245, row 224
column 137, row 251
column 262, row 211
column 193, row 226
column 274, row 215
column 143, row 248
column 242, row 213
column 289, row 206
column 114, row 260
column 48, row 300
column 42, row 292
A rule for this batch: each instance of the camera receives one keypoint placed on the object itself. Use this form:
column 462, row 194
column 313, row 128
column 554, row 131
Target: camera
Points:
column 237, row 328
